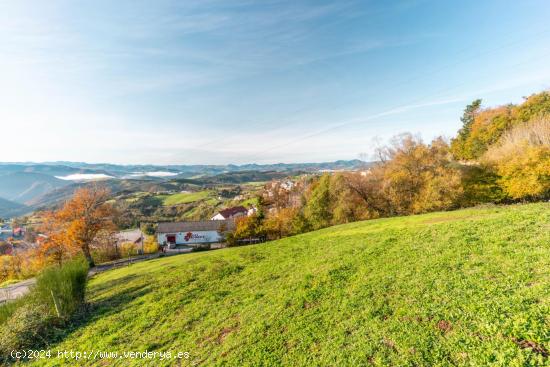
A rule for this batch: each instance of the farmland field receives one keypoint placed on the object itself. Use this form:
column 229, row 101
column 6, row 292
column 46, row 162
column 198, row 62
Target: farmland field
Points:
column 183, row 197
column 469, row 287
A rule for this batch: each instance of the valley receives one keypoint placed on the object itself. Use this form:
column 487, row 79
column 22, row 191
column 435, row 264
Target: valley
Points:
column 25, row 188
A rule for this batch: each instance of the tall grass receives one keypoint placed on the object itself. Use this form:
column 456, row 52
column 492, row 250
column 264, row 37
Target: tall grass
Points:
column 30, row 321
column 63, row 288
column 7, row 309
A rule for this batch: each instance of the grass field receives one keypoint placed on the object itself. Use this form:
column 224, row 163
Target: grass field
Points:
column 183, row 197
column 470, row 287
column 248, row 202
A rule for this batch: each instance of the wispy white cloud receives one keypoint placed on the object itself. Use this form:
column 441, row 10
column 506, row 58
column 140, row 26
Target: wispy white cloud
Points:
column 236, row 41
column 216, row 81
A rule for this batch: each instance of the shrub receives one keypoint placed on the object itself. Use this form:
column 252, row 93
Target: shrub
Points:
column 150, row 246
column 18, row 267
column 63, row 288
column 7, row 309
column 481, row 185
column 128, row 249
column 30, row 326
column 522, row 159
column 526, row 174
column 231, row 240
column 32, row 320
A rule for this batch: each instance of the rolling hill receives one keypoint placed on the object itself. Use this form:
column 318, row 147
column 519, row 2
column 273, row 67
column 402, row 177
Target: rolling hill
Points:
column 22, row 187
column 43, row 185
column 10, row 209
column 470, row 287
column 19, row 189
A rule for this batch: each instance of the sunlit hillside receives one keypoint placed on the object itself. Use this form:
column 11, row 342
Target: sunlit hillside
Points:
column 468, row 287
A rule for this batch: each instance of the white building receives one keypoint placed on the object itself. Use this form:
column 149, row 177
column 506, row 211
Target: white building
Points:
column 193, row 233
column 231, row 213
column 134, row 236
column 287, row 185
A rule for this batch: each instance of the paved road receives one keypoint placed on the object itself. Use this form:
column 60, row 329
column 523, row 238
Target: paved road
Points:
column 17, row 290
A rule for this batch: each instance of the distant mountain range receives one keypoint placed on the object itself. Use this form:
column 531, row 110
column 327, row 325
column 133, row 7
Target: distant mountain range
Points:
column 24, row 187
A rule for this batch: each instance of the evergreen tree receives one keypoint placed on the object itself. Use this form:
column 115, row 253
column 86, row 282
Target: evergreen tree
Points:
column 468, row 118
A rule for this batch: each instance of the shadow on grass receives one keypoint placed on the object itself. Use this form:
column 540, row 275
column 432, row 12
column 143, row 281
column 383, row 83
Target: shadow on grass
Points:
column 104, row 307
column 115, row 283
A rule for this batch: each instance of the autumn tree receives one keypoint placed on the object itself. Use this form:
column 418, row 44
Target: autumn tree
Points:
column 410, row 177
column 246, row 228
column 318, row 208
column 522, row 159
column 280, row 224
column 55, row 246
column 347, row 205
column 419, row 178
column 368, row 187
column 80, row 220
column 483, row 128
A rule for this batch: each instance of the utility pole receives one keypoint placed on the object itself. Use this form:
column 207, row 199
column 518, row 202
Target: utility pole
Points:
column 142, row 240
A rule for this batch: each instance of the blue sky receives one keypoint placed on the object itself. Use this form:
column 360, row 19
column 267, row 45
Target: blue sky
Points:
column 177, row 82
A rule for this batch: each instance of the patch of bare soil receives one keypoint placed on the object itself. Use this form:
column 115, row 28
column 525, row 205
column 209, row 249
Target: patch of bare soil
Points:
column 528, row 344
column 444, row 326
column 224, row 333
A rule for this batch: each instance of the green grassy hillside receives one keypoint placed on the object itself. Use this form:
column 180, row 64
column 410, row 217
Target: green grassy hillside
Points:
column 469, row 287
column 183, row 197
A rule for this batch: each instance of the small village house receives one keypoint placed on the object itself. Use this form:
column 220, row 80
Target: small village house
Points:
column 231, row 213
column 6, row 231
column 133, row 236
column 193, row 234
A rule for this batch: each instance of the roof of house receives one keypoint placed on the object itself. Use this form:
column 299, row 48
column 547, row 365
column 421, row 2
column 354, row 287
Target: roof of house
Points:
column 207, row 225
column 229, row 212
column 133, row 235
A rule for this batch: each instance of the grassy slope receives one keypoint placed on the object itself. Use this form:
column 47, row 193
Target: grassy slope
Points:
column 183, row 198
column 455, row 288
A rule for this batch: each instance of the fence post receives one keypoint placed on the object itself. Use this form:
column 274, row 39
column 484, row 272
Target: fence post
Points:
column 55, row 304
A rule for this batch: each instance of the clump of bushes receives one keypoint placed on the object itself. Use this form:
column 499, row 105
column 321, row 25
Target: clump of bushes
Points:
column 411, row 177
column 62, row 288
column 522, row 159
column 35, row 319
column 30, row 326
column 482, row 127
column 150, row 246
column 481, row 185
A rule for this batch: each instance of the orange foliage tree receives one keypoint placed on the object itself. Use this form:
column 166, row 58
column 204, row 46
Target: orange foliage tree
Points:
column 411, row 177
column 55, row 247
column 484, row 127
column 76, row 225
column 280, row 224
